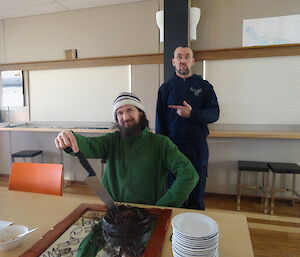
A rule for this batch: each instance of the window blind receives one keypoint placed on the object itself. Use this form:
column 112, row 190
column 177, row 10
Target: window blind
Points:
column 257, row 90
column 78, row 94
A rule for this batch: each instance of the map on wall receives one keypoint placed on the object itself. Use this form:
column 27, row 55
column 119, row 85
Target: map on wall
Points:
column 271, row 30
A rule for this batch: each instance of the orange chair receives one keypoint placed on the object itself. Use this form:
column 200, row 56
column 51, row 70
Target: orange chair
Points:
column 45, row 178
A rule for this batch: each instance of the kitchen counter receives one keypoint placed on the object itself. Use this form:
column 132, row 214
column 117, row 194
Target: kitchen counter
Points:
column 107, row 127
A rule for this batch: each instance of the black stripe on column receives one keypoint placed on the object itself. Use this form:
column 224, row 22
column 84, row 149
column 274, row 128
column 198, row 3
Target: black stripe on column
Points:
column 175, row 31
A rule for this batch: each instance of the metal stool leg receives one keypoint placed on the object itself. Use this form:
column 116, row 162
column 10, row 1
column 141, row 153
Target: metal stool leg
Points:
column 272, row 194
column 239, row 191
column 266, row 190
column 262, row 187
column 294, row 189
column 62, row 162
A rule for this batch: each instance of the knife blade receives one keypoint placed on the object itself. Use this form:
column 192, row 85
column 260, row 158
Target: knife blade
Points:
column 96, row 185
column 93, row 181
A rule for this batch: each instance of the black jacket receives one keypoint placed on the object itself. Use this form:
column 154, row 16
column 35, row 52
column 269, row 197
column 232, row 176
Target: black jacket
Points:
column 196, row 92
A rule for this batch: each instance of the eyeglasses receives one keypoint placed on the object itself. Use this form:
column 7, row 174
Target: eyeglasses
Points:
column 128, row 111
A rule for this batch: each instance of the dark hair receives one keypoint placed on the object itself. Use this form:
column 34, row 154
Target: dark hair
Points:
column 144, row 121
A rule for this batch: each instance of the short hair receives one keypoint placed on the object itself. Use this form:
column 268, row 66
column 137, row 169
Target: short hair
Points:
column 184, row 46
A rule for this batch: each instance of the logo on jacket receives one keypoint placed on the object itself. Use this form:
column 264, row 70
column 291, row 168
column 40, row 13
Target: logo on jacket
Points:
column 196, row 91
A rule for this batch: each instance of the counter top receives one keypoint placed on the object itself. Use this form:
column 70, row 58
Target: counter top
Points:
column 107, row 127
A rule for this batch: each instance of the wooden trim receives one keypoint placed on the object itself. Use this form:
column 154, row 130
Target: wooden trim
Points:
column 248, row 52
column 254, row 134
column 86, row 62
column 4, row 176
column 273, row 222
column 157, row 58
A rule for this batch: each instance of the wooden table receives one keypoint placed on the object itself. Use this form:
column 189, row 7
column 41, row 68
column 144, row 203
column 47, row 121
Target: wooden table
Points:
column 44, row 211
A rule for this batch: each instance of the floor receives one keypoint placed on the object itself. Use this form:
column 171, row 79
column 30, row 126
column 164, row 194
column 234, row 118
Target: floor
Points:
column 275, row 235
column 272, row 235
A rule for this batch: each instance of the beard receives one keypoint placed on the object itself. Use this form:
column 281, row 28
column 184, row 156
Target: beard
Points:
column 129, row 132
column 183, row 70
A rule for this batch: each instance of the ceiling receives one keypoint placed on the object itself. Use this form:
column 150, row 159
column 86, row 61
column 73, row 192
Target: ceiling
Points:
column 21, row 8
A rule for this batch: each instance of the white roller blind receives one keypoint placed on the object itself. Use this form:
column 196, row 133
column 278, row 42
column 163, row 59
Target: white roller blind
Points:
column 257, row 90
column 79, row 94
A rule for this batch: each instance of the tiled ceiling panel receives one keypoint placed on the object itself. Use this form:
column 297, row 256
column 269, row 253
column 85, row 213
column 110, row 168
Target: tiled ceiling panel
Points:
column 20, row 8
column 79, row 4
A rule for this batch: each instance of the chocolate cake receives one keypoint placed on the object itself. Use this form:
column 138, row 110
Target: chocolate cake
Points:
column 126, row 230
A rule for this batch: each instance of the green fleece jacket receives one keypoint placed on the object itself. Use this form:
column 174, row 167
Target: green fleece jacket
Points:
column 136, row 168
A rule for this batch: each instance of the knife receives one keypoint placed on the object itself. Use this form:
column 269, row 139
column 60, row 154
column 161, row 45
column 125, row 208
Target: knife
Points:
column 93, row 181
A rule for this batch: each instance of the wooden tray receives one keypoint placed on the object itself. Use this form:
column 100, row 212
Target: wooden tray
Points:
column 153, row 249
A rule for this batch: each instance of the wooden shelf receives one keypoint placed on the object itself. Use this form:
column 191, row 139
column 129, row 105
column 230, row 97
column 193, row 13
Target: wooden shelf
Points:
column 157, row 58
column 254, row 134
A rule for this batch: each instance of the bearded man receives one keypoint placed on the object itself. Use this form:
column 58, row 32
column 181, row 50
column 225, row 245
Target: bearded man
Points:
column 185, row 105
column 137, row 160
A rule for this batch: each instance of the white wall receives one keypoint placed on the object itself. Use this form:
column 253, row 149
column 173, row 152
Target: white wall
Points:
column 105, row 31
column 221, row 21
column 145, row 84
column 2, row 52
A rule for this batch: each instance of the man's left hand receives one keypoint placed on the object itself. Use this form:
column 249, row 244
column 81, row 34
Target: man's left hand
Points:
column 182, row 110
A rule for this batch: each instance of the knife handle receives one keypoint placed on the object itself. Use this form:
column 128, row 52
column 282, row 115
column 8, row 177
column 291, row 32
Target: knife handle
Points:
column 84, row 162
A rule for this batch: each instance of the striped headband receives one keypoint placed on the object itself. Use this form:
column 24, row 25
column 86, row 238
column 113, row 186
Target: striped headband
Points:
column 126, row 98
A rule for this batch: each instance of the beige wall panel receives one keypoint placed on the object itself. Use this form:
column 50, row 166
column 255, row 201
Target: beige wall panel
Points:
column 2, row 56
column 221, row 21
column 145, row 84
column 105, row 31
column 198, row 68
column 5, row 152
column 161, row 74
column 224, row 154
column 161, row 7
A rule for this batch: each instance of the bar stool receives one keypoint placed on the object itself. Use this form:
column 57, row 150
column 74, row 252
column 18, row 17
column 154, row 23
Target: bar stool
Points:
column 283, row 168
column 253, row 166
column 27, row 154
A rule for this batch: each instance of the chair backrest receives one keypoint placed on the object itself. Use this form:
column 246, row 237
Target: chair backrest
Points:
column 45, row 178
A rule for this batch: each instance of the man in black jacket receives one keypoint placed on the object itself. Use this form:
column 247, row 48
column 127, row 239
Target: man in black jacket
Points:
column 185, row 105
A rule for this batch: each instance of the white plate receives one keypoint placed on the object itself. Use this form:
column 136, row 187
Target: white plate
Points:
column 8, row 236
column 186, row 248
column 195, row 224
column 194, row 245
column 195, row 239
column 4, row 223
column 178, row 253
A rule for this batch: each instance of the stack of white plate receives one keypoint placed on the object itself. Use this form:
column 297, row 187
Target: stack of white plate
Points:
column 194, row 234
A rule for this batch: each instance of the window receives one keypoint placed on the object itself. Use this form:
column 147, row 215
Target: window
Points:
column 257, row 90
column 12, row 88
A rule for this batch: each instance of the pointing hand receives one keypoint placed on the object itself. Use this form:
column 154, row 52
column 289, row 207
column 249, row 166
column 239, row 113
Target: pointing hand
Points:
column 182, row 110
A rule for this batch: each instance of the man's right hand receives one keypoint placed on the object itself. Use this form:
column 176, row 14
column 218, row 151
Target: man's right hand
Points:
column 66, row 139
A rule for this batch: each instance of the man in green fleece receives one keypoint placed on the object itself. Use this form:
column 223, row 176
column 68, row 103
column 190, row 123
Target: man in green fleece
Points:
column 138, row 160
